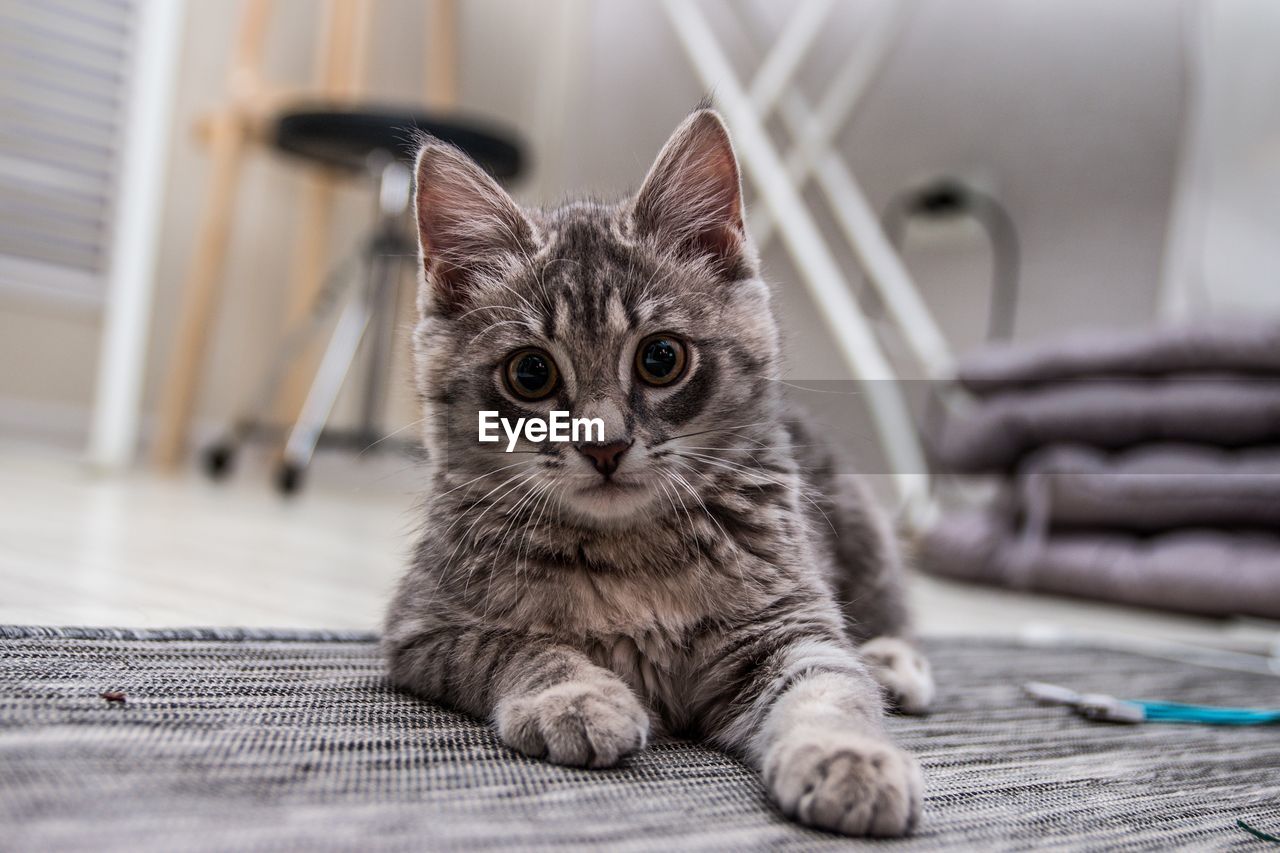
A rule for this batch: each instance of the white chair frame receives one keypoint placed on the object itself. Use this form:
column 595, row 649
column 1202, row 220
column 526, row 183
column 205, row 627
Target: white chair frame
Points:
column 781, row 211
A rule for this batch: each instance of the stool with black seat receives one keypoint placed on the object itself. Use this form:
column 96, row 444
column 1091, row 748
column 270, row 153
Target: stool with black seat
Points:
column 380, row 145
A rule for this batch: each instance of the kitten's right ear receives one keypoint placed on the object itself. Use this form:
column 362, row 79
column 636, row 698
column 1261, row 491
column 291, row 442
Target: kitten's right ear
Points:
column 692, row 197
column 469, row 229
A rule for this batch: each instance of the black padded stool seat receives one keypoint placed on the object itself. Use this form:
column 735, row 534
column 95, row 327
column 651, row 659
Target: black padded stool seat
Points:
column 343, row 138
column 375, row 143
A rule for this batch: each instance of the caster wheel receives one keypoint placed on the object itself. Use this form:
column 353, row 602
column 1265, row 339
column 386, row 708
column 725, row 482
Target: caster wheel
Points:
column 218, row 460
column 289, row 479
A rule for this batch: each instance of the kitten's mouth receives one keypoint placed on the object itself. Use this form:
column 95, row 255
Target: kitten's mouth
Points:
column 611, row 502
column 609, row 486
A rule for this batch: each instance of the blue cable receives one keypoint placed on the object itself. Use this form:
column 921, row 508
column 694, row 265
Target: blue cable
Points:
column 1176, row 712
column 1099, row 706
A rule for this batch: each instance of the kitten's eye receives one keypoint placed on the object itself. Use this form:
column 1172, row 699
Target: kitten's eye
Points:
column 660, row 359
column 531, row 374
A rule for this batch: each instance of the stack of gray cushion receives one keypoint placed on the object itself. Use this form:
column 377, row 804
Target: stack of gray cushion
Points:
column 1142, row 468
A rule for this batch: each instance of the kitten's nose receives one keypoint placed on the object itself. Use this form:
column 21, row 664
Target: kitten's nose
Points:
column 605, row 456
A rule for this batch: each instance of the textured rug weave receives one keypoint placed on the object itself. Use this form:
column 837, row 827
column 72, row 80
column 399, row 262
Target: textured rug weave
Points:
column 242, row 740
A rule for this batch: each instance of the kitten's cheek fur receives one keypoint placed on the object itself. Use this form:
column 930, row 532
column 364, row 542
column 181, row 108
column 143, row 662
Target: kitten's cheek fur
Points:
column 845, row 782
column 581, row 724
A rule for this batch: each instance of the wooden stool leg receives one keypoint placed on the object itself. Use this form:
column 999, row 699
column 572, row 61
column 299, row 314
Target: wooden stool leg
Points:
column 442, row 54
column 228, row 138
column 200, row 293
column 340, row 65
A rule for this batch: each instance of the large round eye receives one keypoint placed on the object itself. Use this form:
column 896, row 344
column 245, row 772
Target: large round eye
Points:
column 532, row 374
column 660, row 359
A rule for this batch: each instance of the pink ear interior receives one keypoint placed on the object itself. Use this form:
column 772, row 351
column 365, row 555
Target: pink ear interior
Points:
column 467, row 224
column 693, row 192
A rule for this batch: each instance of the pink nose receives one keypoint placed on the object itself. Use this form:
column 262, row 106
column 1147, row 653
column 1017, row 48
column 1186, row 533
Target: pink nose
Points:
column 605, row 456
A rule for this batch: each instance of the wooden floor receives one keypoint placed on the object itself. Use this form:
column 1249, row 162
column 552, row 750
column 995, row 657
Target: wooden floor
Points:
column 148, row 551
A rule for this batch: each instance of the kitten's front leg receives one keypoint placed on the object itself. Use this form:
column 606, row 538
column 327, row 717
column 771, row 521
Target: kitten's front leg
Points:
column 809, row 718
column 546, row 699
column 570, row 711
column 902, row 670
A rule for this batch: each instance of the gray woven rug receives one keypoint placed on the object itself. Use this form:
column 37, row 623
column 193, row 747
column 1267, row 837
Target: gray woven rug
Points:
column 242, row 740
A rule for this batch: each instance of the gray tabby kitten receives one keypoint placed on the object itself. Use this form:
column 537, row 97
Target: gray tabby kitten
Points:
column 703, row 570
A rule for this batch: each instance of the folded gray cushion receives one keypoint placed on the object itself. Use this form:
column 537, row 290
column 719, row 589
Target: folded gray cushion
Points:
column 1150, row 488
column 1215, row 573
column 1110, row 414
column 1141, row 459
column 1237, row 346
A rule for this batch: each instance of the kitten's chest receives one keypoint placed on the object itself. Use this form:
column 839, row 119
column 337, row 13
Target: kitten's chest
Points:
column 639, row 628
column 657, row 669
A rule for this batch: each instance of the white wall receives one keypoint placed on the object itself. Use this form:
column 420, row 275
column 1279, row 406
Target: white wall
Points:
column 1225, row 256
column 1067, row 110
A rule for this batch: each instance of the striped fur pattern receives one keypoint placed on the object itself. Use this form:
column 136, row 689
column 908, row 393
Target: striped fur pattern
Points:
column 720, row 583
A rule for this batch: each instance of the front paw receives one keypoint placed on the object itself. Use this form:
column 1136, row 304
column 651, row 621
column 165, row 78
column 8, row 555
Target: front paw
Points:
column 845, row 782
column 902, row 671
column 582, row 724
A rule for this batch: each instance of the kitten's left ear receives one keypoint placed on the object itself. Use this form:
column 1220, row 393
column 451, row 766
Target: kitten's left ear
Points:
column 693, row 195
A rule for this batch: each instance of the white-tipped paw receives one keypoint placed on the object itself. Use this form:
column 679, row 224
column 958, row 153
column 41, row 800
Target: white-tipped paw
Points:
column 582, row 724
column 844, row 782
column 902, row 671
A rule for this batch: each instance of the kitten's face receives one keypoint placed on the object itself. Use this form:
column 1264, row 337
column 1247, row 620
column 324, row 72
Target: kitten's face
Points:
column 646, row 315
